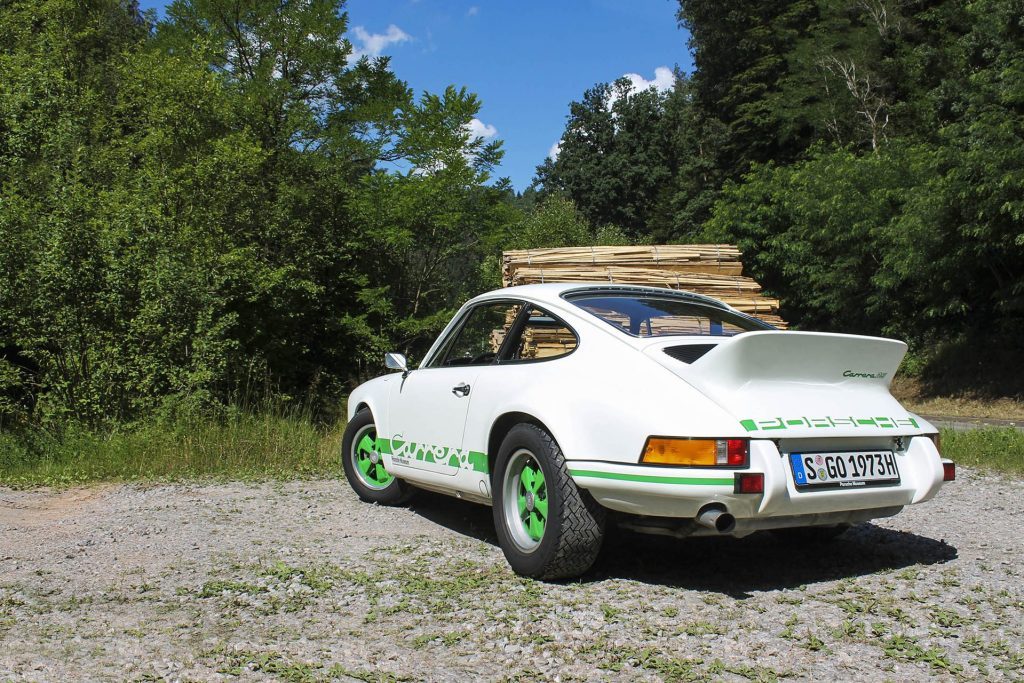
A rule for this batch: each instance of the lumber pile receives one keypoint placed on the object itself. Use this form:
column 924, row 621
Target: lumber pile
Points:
column 714, row 270
column 545, row 343
column 538, row 341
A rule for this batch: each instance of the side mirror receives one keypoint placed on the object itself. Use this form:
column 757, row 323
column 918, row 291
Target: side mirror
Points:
column 396, row 361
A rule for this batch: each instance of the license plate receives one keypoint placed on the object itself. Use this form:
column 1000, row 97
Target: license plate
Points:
column 844, row 470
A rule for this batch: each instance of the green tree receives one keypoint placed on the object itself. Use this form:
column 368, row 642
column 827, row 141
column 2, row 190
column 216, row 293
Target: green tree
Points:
column 61, row 64
column 614, row 157
column 741, row 53
column 197, row 214
column 962, row 235
column 819, row 233
column 424, row 232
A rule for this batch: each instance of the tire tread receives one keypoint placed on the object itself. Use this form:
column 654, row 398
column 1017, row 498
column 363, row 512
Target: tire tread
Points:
column 582, row 518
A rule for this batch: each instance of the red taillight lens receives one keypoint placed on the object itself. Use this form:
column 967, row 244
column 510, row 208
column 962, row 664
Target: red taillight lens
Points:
column 737, row 452
column 749, row 482
column 949, row 471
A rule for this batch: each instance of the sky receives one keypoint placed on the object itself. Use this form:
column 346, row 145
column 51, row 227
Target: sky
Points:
column 526, row 60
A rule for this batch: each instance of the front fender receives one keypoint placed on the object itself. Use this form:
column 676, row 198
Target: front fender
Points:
column 374, row 394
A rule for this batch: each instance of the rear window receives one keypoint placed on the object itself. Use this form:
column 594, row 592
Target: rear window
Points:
column 654, row 316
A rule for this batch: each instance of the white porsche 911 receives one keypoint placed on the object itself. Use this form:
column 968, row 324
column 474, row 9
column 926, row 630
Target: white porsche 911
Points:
column 563, row 404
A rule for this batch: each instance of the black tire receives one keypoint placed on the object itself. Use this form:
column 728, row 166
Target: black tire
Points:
column 376, row 486
column 810, row 534
column 574, row 523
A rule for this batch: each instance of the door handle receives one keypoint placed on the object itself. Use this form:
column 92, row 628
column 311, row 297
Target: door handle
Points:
column 461, row 389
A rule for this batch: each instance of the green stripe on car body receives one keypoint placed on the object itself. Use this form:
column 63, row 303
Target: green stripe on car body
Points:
column 454, row 458
column 477, row 462
column 654, row 478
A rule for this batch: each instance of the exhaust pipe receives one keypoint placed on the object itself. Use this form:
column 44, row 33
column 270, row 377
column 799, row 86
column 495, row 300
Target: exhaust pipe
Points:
column 717, row 519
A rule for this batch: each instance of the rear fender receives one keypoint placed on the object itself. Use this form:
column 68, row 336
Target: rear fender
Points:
column 608, row 413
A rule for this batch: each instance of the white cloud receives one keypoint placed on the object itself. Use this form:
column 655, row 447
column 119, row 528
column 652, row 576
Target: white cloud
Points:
column 372, row 44
column 555, row 150
column 479, row 129
column 473, row 11
column 663, row 80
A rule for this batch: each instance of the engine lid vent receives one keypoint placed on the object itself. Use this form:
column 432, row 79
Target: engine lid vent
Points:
column 688, row 353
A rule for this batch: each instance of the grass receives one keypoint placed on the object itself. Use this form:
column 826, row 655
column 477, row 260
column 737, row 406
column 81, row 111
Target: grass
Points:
column 241, row 446
column 999, row 449
column 916, row 398
column 276, row 445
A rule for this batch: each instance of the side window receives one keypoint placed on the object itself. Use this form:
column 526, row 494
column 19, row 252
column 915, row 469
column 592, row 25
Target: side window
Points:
column 542, row 336
column 477, row 340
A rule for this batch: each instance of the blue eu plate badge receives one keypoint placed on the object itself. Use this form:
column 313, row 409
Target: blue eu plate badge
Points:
column 799, row 475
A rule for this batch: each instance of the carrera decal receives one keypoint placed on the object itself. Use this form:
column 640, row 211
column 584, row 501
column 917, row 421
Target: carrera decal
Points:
column 654, row 478
column 456, row 458
column 827, row 423
column 865, row 375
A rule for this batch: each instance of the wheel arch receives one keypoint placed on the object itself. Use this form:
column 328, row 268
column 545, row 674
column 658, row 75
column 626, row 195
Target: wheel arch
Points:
column 502, row 426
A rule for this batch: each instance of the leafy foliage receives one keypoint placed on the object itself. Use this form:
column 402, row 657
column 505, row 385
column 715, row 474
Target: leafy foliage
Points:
column 225, row 205
column 866, row 155
column 199, row 209
column 613, row 159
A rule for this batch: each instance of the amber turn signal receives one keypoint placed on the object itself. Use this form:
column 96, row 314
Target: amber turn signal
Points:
column 695, row 452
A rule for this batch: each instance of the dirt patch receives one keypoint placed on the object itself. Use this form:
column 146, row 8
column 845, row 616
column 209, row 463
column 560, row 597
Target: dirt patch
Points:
column 43, row 507
column 302, row 582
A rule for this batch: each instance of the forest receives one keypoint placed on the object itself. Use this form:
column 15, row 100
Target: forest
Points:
column 223, row 210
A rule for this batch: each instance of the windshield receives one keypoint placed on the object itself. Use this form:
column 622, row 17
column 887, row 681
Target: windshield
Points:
column 656, row 316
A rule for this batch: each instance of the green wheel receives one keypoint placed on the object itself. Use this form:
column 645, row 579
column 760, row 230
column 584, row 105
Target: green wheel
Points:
column 364, row 464
column 369, row 464
column 526, row 500
column 547, row 527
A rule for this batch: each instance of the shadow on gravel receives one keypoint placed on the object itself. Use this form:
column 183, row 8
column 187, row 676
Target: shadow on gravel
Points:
column 731, row 566
column 762, row 562
column 463, row 517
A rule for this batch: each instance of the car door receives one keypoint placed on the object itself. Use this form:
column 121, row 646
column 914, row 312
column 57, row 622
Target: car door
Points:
column 536, row 338
column 428, row 407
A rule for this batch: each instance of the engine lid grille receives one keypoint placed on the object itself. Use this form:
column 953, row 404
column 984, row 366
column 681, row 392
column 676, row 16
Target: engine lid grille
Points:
column 688, row 353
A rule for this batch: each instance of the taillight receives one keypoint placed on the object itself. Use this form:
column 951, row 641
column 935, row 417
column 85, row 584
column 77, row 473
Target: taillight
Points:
column 749, row 482
column 660, row 450
column 949, row 471
column 736, row 452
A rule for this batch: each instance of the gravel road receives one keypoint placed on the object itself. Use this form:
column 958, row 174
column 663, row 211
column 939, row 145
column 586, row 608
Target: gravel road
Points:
column 301, row 582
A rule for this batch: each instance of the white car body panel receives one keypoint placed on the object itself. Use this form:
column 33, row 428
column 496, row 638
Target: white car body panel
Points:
column 785, row 391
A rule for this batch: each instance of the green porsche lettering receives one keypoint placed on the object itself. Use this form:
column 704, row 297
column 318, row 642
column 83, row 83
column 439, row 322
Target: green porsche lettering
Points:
column 828, row 422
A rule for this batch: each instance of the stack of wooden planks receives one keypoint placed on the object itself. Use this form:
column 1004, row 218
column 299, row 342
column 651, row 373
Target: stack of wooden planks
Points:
column 545, row 343
column 714, row 270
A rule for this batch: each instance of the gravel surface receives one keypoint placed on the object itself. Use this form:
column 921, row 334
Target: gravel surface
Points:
column 300, row 581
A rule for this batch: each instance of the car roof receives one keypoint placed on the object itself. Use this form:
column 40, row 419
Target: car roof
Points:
column 554, row 292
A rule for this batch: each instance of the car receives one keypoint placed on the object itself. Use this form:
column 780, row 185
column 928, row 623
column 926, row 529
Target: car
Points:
column 569, row 407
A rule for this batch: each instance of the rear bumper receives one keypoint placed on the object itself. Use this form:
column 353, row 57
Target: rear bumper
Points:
column 683, row 492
